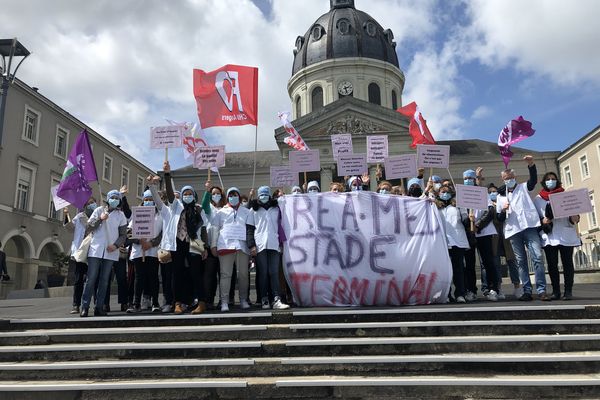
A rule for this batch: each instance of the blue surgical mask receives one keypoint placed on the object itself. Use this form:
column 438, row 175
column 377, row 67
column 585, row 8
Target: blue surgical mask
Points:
column 113, row 203
column 296, row 192
column 234, row 200
column 510, row 183
column 92, row 206
column 216, row 198
column 187, row 199
column 437, row 186
column 383, row 191
column 313, row 190
column 148, row 203
column 469, row 182
column 551, row 184
column 493, row 196
column 356, row 188
column 263, row 198
column 445, row 196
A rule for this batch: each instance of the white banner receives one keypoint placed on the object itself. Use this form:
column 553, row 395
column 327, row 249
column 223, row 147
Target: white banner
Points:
column 163, row 137
column 283, row 176
column 364, row 248
column 433, row 156
column 571, row 202
column 377, row 148
column 209, row 157
column 142, row 222
column 402, row 166
column 59, row 203
column 341, row 145
column 475, row 197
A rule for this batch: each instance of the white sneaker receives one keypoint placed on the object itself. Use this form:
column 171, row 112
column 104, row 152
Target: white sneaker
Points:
column 460, row 299
column 278, row 305
column 470, row 296
column 167, row 308
column 518, row 292
column 501, row 296
column 224, row 306
column 492, row 296
column 244, row 305
column 265, row 303
column 156, row 309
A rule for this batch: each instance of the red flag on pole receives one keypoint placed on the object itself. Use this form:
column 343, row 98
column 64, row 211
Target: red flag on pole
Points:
column 294, row 140
column 227, row 96
column 418, row 126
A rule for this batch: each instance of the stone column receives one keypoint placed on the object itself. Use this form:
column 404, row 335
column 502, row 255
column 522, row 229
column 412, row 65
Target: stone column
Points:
column 326, row 177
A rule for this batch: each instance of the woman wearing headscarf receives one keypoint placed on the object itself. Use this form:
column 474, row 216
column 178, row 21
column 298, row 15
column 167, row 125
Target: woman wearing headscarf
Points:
column 313, row 187
column 214, row 194
column 415, row 187
column 109, row 231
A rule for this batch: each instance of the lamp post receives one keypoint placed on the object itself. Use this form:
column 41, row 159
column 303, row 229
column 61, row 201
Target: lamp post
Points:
column 9, row 50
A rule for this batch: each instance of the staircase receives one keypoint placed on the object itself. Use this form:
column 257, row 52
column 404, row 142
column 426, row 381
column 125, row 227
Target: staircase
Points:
column 549, row 351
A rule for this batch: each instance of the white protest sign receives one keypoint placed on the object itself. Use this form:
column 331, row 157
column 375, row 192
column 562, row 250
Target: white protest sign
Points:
column 377, row 148
column 162, row 137
column 209, row 156
column 402, row 166
column 364, row 249
column 474, row 197
column 305, row 161
column 353, row 164
column 283, row 176
column 433, row 155
column 59, row 203
column 572, row 202
column 341, row 144
column 142, row 222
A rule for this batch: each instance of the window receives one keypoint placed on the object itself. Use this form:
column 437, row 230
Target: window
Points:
column 394, row 100
column 583, row 164
column 25, row 186
column 31, row 125
column 124, row 176
column 52, row 213
column 61, row 142
column 592, row 220
column 317, row 98
column 343, row 26
column 567, row 178
column 298, row 107
column 140, row 187
column 374, row 94
column 317, row 32
column 107, row 169
column 371, row 28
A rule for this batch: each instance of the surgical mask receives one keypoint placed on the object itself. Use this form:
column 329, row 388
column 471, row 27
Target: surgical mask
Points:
column 113, row 203
column 437, row 186
column 295, row 193
column 356, row 188
column 234, row 200
column 510, row 183
column 148, row 203
column 92, row 206
column 187, row 199
column 469, row 182
column 245, row 204
column 313, row 190
column 493, row 196
column 263, row 198
column 445, row 196
column 383, row 191
column 216, row 198
column 551, row 184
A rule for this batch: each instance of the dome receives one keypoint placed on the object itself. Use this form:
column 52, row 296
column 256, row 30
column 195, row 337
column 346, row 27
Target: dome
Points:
column 344, row 32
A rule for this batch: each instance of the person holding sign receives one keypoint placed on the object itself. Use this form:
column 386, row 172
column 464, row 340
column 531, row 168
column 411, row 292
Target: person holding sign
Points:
column 415, row 187
column 384, row 187
column 470, row 275
column 521, row 221
column 297, row 190
column 558, row 236
column 228, row 242
column 144, row 255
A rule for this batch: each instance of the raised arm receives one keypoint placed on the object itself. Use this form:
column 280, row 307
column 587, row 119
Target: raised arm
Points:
column 532, row 172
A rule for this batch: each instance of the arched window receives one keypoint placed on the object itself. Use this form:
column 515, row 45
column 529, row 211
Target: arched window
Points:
column 298, row 107
column 394, row 100
column 374, row 94
column 317, row 98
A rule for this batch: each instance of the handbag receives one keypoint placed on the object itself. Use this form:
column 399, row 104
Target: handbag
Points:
column 164, row 256
column 81, row 253
column 197, row 245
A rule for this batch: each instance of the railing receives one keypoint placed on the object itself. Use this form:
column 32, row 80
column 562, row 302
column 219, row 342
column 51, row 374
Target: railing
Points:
column 585, row 258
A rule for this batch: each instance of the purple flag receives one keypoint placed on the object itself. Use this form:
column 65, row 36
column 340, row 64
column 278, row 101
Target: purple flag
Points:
column 80, row 169
column 515, row 131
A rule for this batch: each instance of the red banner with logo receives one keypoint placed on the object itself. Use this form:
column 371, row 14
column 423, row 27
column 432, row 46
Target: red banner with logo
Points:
column 227, row 96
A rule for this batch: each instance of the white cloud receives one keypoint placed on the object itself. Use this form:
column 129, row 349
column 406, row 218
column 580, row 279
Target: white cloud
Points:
column 481, row 112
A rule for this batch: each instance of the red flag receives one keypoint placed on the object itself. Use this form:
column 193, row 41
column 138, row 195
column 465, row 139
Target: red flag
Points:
column 418, row 126
column 294, row 140
column 227, row 96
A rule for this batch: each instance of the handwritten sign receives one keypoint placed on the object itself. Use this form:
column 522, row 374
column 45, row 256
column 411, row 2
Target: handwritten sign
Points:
column 433, row 156
column 209, row 157
column 283, row 176
column 572, row 202
column 353, row 164
column 142, row 225
column 475, row 197
column 377, row 148
column 59, row 203
column 305, row 161
column 341, row 144
column 162, row 137
column 403, row 166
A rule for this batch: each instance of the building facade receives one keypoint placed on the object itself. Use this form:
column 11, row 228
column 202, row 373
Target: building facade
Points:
column 38, row 135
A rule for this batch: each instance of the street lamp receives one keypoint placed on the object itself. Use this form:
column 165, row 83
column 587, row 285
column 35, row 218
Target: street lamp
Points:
column 9, row 49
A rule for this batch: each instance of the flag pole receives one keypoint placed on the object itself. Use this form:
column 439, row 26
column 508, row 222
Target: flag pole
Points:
column 166, row 154
column 220, row 180
column 255, row 150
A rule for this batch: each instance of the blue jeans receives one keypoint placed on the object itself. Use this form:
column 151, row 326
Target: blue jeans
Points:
column 267, row 266
column 529, row 238
column 98, row 269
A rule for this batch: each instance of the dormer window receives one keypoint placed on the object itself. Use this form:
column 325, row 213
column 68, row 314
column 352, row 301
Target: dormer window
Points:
column 299, row 42
column 317, row 32
column 371, row 28
column 343, row 26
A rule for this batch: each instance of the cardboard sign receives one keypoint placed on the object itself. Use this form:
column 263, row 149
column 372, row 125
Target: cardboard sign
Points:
column 59, row 203
column 283, row 176
column 162, row 137
column 353, row 164
column 433, row 156
column 572, row 202
column 474, row 197
column 341, row 145
column 142, row 222
column 305, row 161
column 403, row 166
column 209, row 157
column 377, row 148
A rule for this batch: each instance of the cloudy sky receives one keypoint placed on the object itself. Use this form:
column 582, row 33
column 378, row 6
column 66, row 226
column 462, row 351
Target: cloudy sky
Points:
column 123, row 66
